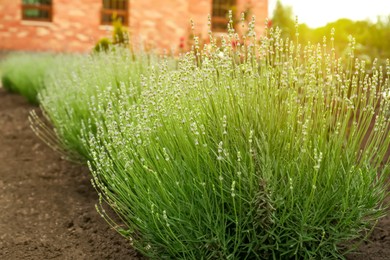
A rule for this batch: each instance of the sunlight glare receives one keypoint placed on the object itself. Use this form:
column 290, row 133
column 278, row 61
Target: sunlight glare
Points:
column 316, row 13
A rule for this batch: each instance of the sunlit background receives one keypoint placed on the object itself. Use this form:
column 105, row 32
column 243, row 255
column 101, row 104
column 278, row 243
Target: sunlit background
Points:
column 316, row 13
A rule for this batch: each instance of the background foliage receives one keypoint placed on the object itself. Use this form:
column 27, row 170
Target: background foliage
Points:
column 370, row 37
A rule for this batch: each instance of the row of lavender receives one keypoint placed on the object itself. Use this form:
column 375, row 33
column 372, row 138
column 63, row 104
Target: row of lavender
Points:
column 259, row 149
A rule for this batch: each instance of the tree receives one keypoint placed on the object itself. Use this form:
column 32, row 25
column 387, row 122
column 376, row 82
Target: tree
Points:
column 283, row 17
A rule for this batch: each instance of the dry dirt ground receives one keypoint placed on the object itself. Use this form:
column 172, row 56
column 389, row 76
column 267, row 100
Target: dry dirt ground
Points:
column 47, row 205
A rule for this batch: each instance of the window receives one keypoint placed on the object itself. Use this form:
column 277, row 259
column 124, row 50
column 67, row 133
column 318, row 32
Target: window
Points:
column 220, row 14
column 115, row 8
column 37, row 10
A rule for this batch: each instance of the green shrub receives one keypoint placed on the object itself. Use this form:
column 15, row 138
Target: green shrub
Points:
column 24, row 73
column 120, row 36
column 261, row 150
column 102, row 45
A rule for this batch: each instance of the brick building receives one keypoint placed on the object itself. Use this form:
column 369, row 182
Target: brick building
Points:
column 76, row 25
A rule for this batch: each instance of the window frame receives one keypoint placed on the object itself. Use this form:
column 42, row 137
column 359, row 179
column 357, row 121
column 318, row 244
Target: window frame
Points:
column 40, row 7
column 218, row 20
column 119, row 12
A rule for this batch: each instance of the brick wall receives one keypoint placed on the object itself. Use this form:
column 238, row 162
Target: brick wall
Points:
column 159, row 23
column 76, row 24
column 75, row 27
column 259, row 9
column 199, row 11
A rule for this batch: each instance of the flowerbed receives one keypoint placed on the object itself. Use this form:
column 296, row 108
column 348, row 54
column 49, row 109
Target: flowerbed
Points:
column 258, row 149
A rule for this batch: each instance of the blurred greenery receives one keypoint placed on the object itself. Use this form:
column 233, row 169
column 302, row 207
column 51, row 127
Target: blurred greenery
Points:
column 120, row 36
column 283, row 18
column 372, row 39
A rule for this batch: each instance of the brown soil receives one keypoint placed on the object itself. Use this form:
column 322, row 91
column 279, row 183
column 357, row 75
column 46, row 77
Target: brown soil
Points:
column 378, row 245
column 47, row 205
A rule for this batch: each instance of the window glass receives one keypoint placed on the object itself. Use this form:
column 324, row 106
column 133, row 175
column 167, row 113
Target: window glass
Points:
column 37, row 10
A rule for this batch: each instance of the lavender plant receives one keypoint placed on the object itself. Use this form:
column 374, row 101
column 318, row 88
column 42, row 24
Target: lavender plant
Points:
column 70, row 98
column 24, row 73
column 262, row 150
